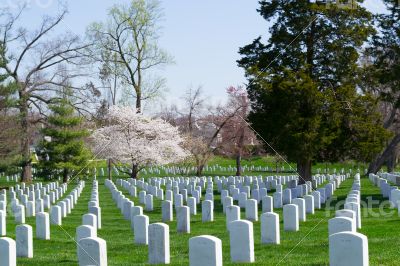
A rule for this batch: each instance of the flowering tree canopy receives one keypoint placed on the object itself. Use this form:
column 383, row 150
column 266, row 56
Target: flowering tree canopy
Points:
column 132, row 138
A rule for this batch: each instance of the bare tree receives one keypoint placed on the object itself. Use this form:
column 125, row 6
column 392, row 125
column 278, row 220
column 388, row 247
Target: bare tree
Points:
column 194, row 106
column 204, row 126
column 32, row 59
column 130, row 40
column 237, row 134
column 170, row 114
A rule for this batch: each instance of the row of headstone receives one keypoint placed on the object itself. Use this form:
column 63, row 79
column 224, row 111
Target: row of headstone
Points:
column 13, row 178
column 65, row 206
column 92, row 250
column 182, row 185
column 393, row 178
column 203, row 250
column 346, row 246
column 349, row 218
column 183, row 213
column 23, row 245
column 181, row 170
column 155, row 235
column 387, row 184
column 303, row 206
column 27, row 201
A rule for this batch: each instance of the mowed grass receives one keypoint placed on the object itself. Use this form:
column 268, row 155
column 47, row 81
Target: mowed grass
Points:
column 309, row 246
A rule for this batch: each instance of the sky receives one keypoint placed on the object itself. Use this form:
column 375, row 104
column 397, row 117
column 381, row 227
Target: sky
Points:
column 203, row 36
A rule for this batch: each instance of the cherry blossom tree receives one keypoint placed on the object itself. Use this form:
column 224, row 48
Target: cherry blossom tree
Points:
column 130, row 137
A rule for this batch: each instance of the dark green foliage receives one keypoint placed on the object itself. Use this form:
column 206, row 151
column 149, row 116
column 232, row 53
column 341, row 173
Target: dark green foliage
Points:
column 382, row 77
column 279, row 98
column 303, row 84
column 65, row 153
column 384, row 56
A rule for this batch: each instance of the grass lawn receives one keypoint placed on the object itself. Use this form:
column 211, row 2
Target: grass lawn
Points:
column 309, row 246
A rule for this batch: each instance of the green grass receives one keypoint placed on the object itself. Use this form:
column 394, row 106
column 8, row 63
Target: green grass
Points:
column 309, row 246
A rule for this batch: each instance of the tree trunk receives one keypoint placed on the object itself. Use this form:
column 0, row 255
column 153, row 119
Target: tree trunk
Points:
column 238, row 164
column 65, row 175
column 109, row 168
column 377, row 164
column 135, row 171
column 239, row 151
column 26, row 175
column 304, row 170
column 138, row 104
column 391, row 162
column 200, row 168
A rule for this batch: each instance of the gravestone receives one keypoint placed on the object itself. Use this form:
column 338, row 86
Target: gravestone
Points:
column 287, row 196
column 167, row 212
column 55, row 215
column 178, row 201
column 347, row 213
column 232, row 214
column 267, row 204
column 43, row 226
column 205, row 250
column 63, row 208
column 242, row 199
column 290, row 217
column 277, row 199
column 317, row 199
column 92, row 251
column 135, row 210
column 97, row 211
column 3, row 225
column 24, row 241
column 301, row 204
column 348, row 249
column 19, row 214
column 85, row 231
column 241, row 241
column 341, row 224
column 270, row 233
column 228, row 201
column 89, row 219
column 309, row 201
column 126, row 209
column 207, row 211
column 8, row 252
column 159, row 249
column 191, row 201
column 141, row 224
column 251, row 210
column 183, row 219
column 39, row 206
column 356, row 208
column 149, row 202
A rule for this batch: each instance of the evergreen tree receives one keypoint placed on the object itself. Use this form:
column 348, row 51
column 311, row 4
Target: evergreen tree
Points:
column 63, row 149
column 303, row 83
column 382, row 76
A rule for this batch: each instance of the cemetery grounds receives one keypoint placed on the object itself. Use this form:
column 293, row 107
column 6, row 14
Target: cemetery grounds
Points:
column 308, row 246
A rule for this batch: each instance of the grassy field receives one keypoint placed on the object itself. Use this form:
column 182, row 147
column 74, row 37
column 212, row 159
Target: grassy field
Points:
column 309, row 246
